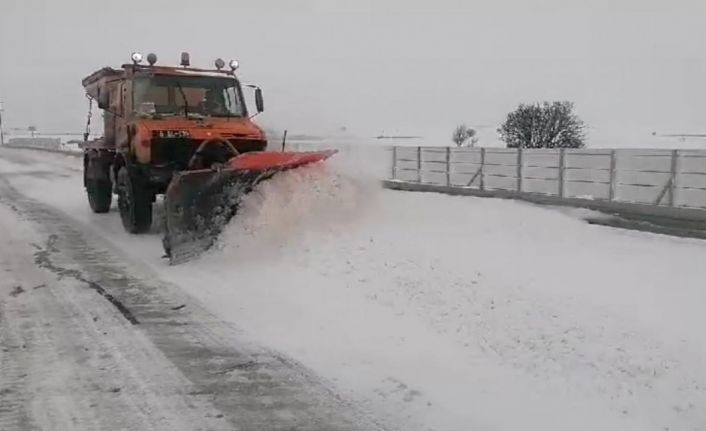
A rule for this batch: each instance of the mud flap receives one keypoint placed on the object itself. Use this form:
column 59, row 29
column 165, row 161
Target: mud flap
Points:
column 198, row 204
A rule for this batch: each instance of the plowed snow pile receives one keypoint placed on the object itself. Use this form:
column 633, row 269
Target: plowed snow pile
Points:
column 293, row 206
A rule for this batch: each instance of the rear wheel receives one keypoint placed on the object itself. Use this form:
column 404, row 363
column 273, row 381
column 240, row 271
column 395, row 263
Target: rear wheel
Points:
column 135, row 202
column 100, row 195
column 96, row 180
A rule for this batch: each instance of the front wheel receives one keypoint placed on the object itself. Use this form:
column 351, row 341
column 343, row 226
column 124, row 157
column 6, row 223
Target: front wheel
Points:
column 134, row 202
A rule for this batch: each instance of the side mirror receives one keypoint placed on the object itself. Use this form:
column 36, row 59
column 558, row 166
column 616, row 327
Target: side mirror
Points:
column 259, row 102
column 103, row 98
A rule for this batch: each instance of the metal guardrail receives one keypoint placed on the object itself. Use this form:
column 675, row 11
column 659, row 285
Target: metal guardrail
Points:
column 669, row 178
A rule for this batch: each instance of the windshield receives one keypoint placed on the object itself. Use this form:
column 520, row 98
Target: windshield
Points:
column 192, row 96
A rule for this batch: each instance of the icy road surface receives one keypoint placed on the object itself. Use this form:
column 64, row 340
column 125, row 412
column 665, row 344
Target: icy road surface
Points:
column 92, row 339
column 433, row 312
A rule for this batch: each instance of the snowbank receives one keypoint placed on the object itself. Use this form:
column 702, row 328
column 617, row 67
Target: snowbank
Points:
column 463, row 313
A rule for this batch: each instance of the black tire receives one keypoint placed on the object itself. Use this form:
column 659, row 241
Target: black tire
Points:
column 134, row 202
column 100, row 195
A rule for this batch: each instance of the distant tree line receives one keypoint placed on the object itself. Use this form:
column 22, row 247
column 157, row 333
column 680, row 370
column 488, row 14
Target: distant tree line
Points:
column 464, row 135
column 545, row 125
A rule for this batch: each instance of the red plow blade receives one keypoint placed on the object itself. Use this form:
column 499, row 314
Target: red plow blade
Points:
column 198, row 204
column 281, row 161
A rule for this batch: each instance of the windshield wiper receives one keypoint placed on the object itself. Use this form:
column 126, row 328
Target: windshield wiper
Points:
column 183, row 96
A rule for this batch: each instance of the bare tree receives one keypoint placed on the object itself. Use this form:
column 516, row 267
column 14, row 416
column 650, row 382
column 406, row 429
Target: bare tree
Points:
column 543, row 126
column 462, row 134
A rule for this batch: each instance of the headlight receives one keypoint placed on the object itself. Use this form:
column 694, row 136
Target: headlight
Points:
column 234, row 64
column 136, row 57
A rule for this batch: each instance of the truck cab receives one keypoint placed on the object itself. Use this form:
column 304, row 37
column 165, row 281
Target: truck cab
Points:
column 160, row 120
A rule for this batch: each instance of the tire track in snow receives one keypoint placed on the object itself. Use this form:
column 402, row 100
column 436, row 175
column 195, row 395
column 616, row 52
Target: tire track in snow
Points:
column 72, row 373
column 13, row 415
column 43, row 260
column 32, row 323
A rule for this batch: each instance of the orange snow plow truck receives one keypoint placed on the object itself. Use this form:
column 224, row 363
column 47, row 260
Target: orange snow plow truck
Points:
column 184, row 133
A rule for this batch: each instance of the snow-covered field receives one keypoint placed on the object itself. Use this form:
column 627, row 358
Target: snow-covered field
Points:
column 437, row 312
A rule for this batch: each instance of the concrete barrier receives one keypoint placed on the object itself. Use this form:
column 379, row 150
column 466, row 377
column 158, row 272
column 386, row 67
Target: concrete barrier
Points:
column 689, row 215
column 36, row 142
column 661, row 187
column 48, row 149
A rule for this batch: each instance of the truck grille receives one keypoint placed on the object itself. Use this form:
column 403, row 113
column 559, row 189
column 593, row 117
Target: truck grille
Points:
column 179, row 150
column 173, row 150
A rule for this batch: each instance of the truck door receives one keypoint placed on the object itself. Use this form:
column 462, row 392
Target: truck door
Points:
column 114, row 116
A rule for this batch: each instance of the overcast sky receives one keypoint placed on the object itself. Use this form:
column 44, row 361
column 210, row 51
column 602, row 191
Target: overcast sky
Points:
column 399, row 66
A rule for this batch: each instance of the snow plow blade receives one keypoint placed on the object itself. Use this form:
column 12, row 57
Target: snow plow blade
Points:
column 198, row 204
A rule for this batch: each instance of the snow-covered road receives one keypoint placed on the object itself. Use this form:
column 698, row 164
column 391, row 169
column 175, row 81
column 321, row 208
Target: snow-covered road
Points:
column 92, row 339
column 433, row 312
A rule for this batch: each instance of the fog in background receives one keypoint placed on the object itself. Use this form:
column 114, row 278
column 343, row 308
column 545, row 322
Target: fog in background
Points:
column 386, row 66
